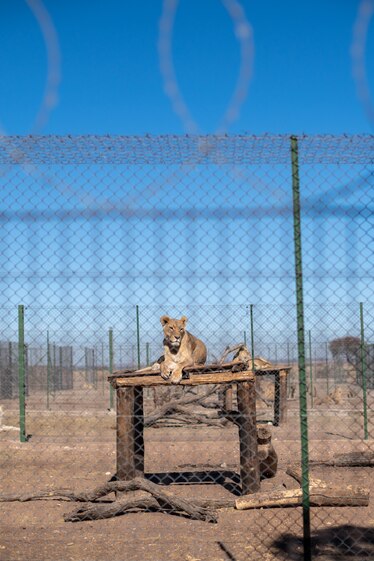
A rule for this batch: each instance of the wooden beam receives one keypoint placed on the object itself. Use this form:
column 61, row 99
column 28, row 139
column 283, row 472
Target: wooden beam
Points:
column 249, row 462
column 194, row 380
column 138, row 431
column 228, row 398
column 125, row 434
column 280, row 397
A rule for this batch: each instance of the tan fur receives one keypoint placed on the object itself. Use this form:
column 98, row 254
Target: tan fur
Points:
column 180, row 349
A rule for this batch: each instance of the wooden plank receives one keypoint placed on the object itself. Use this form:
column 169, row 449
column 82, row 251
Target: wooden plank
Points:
column 138, row 431
column 228, row 395
column 125, row 434
column 198, row 369
column 246, row 419
column 194, row 380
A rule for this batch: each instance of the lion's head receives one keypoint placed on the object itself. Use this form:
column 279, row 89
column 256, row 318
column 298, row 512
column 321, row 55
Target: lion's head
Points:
column 174, row 330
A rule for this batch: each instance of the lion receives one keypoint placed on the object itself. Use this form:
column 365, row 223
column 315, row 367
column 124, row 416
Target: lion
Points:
column 181, row 349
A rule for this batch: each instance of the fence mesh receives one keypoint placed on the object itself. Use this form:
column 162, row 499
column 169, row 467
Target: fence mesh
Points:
column 103, row 237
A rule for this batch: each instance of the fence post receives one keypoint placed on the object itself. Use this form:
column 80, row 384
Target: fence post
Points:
column 111, row 390
column 147, row 353
column 363, row 369
column 21, row 373
column 301, row 348
column 252, row 337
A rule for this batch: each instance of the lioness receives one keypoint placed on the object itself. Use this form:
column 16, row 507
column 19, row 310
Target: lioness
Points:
column 180, row 349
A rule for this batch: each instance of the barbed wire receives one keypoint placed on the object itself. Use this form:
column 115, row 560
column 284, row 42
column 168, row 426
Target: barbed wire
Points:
column 53, row 76
column 358, row 53
column 244, row 34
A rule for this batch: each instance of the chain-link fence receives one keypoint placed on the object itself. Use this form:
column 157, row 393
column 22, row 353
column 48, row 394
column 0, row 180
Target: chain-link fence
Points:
column 262, row 249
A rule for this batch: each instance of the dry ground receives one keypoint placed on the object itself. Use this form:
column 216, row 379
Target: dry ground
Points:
column 77, row 451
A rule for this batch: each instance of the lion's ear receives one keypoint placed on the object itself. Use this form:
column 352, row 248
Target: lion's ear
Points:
column 164, row 320
column 184, row 320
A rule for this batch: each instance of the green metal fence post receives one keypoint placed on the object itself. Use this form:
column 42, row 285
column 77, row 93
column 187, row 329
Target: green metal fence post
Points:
column 310, row 368
column 301, row 348
column 21, row 373
column 245, row 338
column 138, row 334
column 147, row 353
column 252, row 336
column 363, row 369
column 111, row 390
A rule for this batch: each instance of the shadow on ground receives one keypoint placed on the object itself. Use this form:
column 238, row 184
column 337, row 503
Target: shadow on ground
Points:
column 343, row 543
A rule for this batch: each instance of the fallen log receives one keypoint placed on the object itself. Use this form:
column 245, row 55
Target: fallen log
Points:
column 98, row 511
column 319, row 496
column 162, row 500
column 350, row 459
column 152, row 497
column 90, row 497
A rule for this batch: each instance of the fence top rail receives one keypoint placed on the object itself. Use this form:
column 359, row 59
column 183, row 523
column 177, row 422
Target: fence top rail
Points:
column 184, row 149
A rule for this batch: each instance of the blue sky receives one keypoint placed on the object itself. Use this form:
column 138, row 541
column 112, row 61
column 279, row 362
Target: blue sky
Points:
column 110, row 79
column 105, row 77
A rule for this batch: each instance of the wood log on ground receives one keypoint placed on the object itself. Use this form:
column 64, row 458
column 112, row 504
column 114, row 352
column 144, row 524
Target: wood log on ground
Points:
column 320, row 492
column 319, row 496
column 155, row 498
column 164, row 500
column 71, row 496
column 350, row 459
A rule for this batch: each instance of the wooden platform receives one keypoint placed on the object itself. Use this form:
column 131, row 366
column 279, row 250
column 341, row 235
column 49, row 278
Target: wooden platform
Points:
column 227, row 373
column 129, row 386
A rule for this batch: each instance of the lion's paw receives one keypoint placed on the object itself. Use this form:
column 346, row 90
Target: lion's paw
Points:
column 165, row 372
column 176, row 377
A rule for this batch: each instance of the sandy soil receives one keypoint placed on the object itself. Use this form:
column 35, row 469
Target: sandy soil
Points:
column 77, row 451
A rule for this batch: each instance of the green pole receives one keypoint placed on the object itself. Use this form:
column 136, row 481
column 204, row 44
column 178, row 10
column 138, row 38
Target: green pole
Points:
column 363, row 368
column 21, row 373
column 147, row 353
column 310, row 368
column 245, row 338
column 111, row 354
column 301, row 348
column 252, row 337
column 138, row 334
column 48, row 371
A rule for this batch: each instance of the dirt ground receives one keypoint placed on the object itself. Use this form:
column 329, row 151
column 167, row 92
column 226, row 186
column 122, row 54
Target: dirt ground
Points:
column 76, row 451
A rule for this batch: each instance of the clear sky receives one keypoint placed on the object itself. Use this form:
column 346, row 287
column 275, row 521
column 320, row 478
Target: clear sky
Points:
column 104, row 61
column 178, row 238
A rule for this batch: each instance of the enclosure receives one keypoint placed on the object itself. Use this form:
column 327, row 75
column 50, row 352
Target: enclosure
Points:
column 258, row 240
